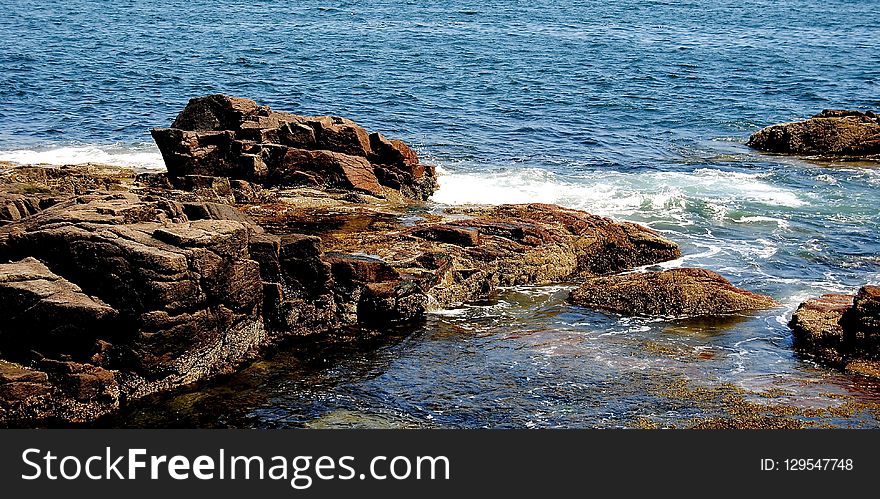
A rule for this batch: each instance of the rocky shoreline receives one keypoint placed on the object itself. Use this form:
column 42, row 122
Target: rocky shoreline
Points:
column 121, row 285
column 268, row 226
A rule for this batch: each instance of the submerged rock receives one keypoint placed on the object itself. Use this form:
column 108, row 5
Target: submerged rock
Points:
column 224, row 136
column 831, row 133
column 842, row 330
column 675, row 292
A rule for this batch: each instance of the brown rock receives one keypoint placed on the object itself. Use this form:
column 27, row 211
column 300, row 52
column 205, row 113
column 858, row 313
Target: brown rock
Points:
column 391, row 301
column 359, row 268
column 831, row 132
column 450, row 234
column 214, row 189
column 15, row 393
column 816, row 325
column 14, row 373
column 676, row 292
column 166, row 302
column 48, row 310
column 82, row 381
column 340, row 135
column 842, row 330
column 325, row 169
column 455, row 261
column 224, row 136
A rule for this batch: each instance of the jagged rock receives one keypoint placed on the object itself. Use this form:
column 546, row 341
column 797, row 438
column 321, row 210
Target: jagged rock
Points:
column 816, row 325
column 57, row 390
column 26, row 190
column 842, row 330
column 458, row 261
column 359, row 268
column 391, row 300
column 355, row 275
column 166, row 300
column 831, row 132
column 14, row 206
column 19, row 384
column 675, row 292
column 224, row 136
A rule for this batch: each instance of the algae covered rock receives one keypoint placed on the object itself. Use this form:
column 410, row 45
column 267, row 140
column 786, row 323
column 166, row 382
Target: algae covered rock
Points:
column 675, row 292
column 841, row 330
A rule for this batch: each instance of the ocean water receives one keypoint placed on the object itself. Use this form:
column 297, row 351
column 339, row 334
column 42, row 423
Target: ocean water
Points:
column 637, row 110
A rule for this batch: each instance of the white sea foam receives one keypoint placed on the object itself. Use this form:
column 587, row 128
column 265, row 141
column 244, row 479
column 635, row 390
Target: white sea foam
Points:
column 616, row 193
column 449, row 312
column 144, row 157
column 710, row 251
column 783, row 224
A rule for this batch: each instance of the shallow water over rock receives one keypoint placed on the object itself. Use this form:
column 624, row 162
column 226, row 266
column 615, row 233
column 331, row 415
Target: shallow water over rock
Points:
column 528, row 359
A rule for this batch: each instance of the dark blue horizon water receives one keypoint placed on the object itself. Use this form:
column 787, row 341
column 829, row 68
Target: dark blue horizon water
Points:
column 605, row 82
column 632, row 109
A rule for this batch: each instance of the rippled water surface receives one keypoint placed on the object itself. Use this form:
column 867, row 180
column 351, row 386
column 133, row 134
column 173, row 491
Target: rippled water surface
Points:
column 633, row 109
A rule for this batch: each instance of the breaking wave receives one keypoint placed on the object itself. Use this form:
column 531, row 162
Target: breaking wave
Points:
column 139, row 157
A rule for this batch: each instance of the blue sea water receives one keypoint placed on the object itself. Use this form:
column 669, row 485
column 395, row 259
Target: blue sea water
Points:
column 633, row 109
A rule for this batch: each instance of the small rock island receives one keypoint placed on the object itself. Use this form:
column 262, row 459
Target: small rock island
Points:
column 832, row 132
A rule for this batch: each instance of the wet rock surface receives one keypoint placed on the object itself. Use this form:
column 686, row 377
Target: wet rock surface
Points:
column 841, row 330
column 829, row 133
column 676, row 292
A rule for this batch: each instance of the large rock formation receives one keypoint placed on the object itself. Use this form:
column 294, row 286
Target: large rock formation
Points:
column 266, row 226
column 115, row 288
column 224, row 136
column 831, row 132
column 127, row 287
column 841, row 330
column 675, row 292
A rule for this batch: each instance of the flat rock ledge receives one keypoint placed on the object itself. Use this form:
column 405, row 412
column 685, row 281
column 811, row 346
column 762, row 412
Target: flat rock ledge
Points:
column 685, row 292
column 841, row 330
column 830, row 133
column 114, row 285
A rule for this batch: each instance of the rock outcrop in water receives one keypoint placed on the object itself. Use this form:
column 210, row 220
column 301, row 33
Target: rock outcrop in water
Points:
column 465, row 259
column 675, row 292
column 114, row 286
column 224, row 136
column 829, row 133
column 841, row 330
